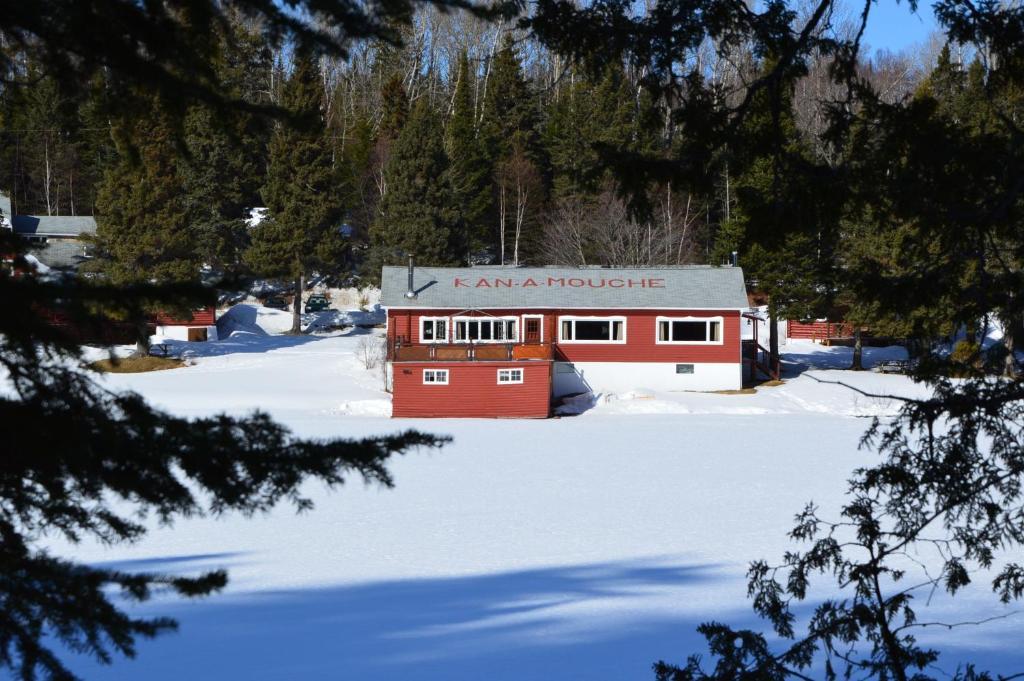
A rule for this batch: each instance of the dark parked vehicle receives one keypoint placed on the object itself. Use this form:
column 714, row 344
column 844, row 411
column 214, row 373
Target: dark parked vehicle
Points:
column 317, row 303
column 276, row 302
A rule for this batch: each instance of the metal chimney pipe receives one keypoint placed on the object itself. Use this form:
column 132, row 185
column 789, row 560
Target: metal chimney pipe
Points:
column 411, row 292
column 735, row 258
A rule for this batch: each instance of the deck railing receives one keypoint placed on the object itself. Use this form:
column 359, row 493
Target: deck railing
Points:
column 469, row 352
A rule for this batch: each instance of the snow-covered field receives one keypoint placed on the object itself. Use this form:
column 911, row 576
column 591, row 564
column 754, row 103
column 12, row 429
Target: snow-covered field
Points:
column 585, row 547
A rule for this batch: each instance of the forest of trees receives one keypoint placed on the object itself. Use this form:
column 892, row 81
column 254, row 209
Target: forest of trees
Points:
column 470, row 144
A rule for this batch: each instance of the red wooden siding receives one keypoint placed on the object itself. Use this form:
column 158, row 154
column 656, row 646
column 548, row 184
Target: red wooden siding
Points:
column 203, row 317
column 641, row 333
column 817, row 330
column 472, row 390
column 90, row 331
column 399, row 326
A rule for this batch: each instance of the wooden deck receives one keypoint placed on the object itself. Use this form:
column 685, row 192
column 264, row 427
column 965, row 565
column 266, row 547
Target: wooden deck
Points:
column 471, row 352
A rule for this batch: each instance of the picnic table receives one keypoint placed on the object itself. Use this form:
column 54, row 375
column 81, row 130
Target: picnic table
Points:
column 892, row 366
column 159, row 350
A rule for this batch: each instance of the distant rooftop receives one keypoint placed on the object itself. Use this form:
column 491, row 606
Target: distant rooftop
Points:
column 466, row 288
column 68, row 226
column 57, row 226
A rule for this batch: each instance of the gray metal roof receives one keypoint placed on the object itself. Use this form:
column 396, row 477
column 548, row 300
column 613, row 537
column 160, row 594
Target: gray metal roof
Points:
column 465, row 288
column 54, row 225
column 47, row 225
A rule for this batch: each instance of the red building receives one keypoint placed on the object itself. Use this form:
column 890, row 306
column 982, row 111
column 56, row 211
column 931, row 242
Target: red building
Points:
column 507, row 342
column 200, row 325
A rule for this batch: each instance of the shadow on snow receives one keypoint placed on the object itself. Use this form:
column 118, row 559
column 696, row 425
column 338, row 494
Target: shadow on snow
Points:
column 562, row 622
column 570, row 622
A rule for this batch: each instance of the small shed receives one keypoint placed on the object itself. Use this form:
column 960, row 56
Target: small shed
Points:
column 200, row 325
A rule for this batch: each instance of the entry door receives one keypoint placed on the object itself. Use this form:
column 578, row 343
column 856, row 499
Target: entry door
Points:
column 531, row 329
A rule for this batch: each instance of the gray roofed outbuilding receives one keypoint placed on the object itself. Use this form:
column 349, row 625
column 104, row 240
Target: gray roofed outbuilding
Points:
column 467, row 288
column 68, row 226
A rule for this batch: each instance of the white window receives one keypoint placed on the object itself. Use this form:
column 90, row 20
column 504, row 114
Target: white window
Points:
column 592, row 329
column 435, row 377
column 433, row 329
column 485, row 329
column 689, row 330
column 506, row 376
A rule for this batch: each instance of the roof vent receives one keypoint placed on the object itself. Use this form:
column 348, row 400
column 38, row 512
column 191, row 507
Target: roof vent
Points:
column 411, row 292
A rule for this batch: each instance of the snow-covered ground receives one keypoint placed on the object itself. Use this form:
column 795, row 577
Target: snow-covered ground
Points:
column 585, row 547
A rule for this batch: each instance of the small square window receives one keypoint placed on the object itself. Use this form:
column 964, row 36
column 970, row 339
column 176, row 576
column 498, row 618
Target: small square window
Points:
column 507, row 376
column 684, row 368
column 435, row 377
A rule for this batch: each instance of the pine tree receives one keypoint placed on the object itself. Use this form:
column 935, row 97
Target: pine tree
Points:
column 510, row 133
column 417, row 213
column 225, row 164
column 358, row 182
column 569, row 149
column 45, row 164
column 587, row 126
column 785, row 221
column 302, row 231
column 470, row 171
column 509, row 108
column 143, row 228
column 394, row 108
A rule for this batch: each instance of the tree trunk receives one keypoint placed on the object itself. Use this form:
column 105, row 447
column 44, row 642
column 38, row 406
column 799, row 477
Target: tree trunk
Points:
column 141, row 340
column 46, row 185
column 773, row 340
column 501, row 221
column 1010, row 363
column 300, row 285
column 858, row 350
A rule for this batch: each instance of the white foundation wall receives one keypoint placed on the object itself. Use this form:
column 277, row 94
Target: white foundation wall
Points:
column 619, row 377
column 180, row 333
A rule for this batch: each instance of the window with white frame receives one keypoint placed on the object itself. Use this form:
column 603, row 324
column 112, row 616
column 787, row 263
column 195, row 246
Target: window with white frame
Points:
column 690, row 330
column 435, row 377
column 485, row 329
column 592, row 329
column 433, row 329
column 507, row 376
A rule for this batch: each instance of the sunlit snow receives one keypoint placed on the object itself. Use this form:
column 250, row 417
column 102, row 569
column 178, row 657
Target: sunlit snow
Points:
column 585, row 547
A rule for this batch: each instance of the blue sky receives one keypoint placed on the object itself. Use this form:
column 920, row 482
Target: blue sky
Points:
column 893, row 26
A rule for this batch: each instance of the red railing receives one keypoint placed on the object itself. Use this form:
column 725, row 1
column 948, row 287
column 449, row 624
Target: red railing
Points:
column 818, row 331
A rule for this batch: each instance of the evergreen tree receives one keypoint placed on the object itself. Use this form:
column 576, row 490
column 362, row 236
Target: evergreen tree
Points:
column 302, row 232
column 143, row 228
column 587, row 127
column 394, row 108
column 509, row 108
column 45, row 162
column 417, row 213
column 509, row 131
column 358, row 182
column 786, row 220
column 470, row 171
column 225, row 165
